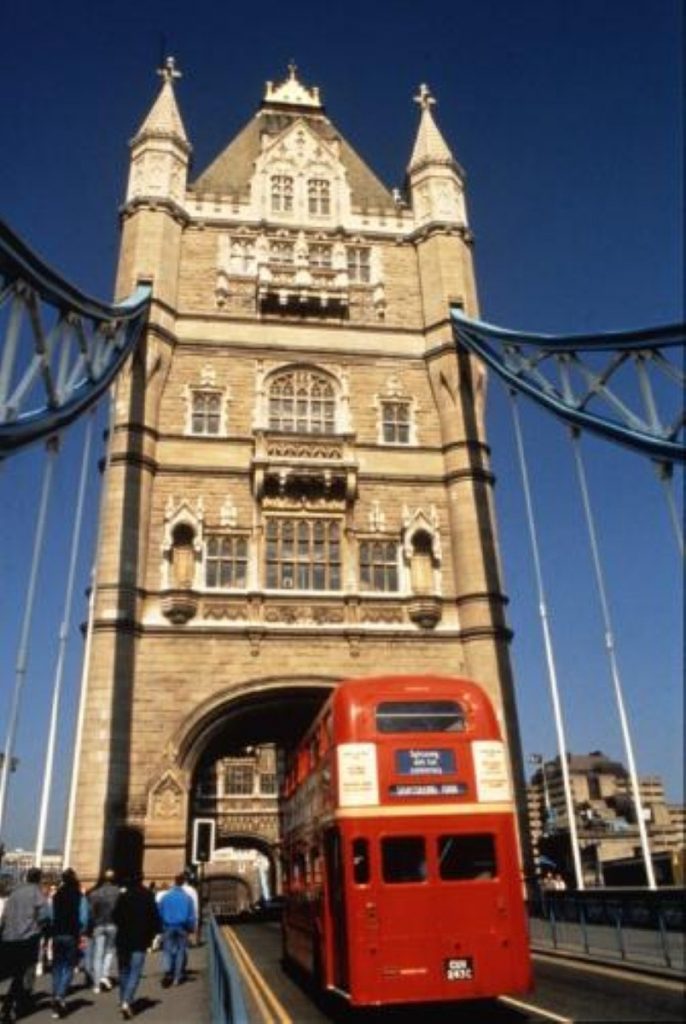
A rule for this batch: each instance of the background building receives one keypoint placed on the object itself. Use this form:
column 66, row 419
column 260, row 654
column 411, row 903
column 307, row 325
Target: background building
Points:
column 605, row 820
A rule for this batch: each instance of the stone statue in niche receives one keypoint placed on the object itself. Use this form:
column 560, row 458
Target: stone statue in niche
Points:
column 183, row 557
column 421, row 566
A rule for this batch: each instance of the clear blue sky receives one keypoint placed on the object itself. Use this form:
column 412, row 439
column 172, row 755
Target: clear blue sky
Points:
column 567, row 117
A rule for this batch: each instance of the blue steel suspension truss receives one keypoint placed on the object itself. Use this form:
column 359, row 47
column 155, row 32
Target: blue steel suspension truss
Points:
column 60, row 349
column 585, row 379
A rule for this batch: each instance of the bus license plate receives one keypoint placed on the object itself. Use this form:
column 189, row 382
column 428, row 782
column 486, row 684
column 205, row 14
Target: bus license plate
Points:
column 460, row 969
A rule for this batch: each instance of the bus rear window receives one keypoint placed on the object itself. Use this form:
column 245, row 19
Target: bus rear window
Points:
column 464, row 857
column 420, row 716
column 403, row 859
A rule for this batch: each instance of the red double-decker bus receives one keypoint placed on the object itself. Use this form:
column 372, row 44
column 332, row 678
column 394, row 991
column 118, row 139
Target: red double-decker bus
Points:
column 401, row 871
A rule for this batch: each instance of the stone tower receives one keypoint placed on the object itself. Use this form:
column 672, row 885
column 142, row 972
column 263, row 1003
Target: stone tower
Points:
column 298, row 488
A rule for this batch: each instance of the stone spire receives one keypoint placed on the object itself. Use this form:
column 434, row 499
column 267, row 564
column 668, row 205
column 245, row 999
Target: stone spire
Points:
column 429, row 146
column 434, row 178
column 160, row 149
column 164, row 118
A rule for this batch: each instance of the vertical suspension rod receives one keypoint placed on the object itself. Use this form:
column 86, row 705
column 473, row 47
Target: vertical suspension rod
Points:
column 665, row 472
column 612, row 656
column 85, row 668
column 52, row 448
column 550, row 659
column 63, row 635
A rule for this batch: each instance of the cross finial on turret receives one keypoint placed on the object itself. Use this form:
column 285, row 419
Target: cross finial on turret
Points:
column 170, row 71
column 424, row 99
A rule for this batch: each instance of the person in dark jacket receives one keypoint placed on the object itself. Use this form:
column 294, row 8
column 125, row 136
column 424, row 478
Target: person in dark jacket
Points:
column 102, row 900
column 24, row 916
column 69, row 922
column 135, row 915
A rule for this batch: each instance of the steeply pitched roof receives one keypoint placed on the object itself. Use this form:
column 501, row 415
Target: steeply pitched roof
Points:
column 231, row 171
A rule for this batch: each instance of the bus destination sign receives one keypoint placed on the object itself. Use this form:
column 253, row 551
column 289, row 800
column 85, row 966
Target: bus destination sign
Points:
column 424, row 762
column 428, row 789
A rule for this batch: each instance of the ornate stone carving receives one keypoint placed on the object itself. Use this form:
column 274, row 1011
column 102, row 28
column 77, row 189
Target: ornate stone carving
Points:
column 304, row 615
column 223, row 610
column 381, row 614
column 166, row 799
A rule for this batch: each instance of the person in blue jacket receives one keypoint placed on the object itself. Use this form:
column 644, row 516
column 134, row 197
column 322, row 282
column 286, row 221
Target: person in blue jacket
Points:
column 177, row 912
column 69, row 912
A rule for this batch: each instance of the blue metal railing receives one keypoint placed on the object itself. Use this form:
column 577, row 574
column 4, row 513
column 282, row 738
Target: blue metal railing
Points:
column 226, row 994
column 59, row 349
column 642, row 928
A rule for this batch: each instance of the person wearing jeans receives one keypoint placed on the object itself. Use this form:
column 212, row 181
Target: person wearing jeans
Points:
column 70, row 916
column 177, row 912
column 137, row 921
column 102, row 900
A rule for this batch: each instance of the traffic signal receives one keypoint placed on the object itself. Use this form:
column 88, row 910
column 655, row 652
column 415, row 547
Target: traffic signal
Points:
column 203, row 840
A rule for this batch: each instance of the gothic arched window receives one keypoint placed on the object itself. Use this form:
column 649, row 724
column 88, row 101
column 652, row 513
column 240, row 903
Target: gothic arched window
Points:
column 319, row 196
column 282, row 193
column 302, row 401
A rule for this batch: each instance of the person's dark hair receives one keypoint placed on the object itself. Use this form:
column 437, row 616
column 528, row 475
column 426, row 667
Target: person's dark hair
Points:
column 70, row 878
column 180, row 878
column 34, row 876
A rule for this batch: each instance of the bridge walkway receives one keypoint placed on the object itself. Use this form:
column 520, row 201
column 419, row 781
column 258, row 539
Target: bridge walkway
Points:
column 188, row 1003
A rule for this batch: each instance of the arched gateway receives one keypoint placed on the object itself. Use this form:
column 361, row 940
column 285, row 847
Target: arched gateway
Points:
column 298, row 487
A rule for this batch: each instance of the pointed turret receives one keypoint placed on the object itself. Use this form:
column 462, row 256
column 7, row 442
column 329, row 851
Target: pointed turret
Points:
column 160, row 149
column 430, row 146
column 435, row 179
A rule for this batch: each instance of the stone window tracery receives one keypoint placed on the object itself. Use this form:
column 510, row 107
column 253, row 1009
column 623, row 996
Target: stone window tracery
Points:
column 206, row 407
column 226, row 562
column 303, row 554
column 320, row 256
column 242, row 257
column 282, row 193
column 319, row 196
column 359, row 264
column 281, row 252
column 379, row 565
column 303, row 401
column 395, row 421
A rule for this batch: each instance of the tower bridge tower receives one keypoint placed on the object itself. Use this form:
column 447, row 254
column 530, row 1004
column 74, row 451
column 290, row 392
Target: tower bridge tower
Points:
column 299, row 487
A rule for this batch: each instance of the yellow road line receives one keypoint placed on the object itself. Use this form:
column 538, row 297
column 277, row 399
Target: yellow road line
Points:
column 261, row 1005
column 251, row 971
column 530, row 1008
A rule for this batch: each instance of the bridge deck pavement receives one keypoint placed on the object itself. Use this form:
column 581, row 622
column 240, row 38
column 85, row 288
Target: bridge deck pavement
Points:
column 188, row 1003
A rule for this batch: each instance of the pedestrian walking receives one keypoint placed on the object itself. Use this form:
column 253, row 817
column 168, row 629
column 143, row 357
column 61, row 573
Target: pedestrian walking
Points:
column 25, row 916
column 177, row 912
column 193, row 893
column 70, row 915
column 137, row 921
column 102, row 900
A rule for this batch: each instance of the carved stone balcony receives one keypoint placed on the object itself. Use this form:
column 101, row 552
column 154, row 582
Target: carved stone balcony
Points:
column 315, row 468
column 286, row 288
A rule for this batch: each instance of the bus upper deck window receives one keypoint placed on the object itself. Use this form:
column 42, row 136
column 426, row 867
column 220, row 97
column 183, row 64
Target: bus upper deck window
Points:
column 420, row 716
column 403, row 859
column 466, row 857
column 360, row 861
